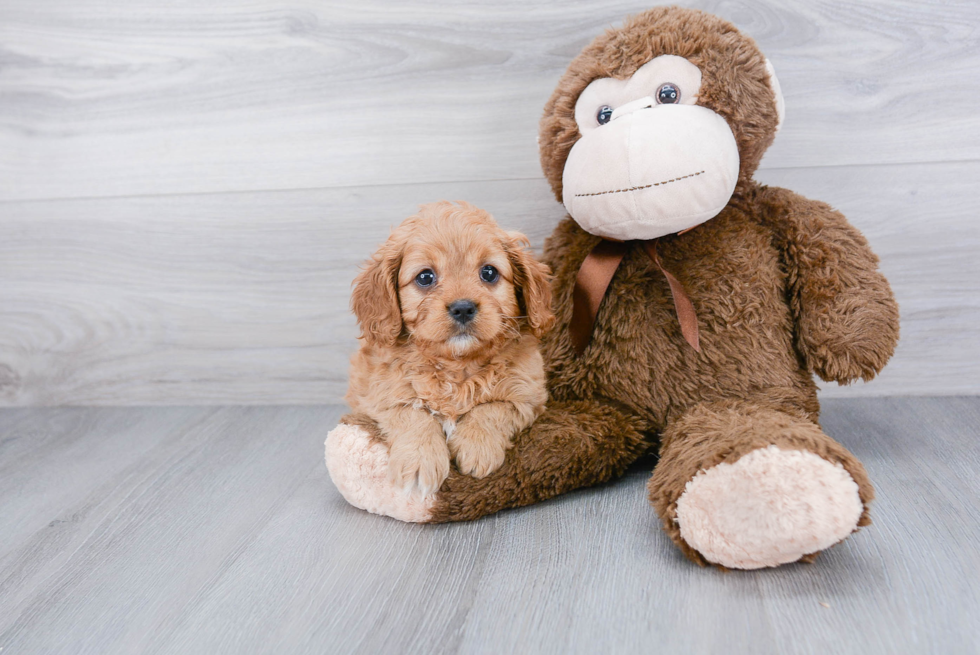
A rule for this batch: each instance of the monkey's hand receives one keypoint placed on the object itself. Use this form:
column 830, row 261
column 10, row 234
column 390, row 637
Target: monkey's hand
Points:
column 846, row 316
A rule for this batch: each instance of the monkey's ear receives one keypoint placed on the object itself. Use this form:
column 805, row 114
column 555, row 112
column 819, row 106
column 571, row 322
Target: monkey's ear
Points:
column 374, row 300
column 532, row 279
column 778, row 93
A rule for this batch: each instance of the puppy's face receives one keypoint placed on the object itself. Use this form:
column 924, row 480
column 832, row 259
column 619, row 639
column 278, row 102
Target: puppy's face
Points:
column 456, row 287
column 455, row 282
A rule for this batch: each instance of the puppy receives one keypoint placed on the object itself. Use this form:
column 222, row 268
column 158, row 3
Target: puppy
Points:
column 450, row 309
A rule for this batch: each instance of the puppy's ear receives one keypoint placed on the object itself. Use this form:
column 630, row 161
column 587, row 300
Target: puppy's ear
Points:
column 532, row 280
column 375, row 297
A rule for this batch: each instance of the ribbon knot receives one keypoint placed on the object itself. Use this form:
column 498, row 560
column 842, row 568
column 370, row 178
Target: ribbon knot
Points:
column 593, row 280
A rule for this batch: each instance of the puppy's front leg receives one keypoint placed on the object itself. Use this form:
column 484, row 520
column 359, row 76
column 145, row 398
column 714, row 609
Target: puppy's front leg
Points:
column 418, row 453
column 482, row 436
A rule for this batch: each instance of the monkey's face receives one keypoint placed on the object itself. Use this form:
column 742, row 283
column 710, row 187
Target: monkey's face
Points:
column 650, row 161
column 653, row 126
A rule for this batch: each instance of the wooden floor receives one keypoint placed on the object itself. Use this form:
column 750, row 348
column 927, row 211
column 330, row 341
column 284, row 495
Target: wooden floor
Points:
column 217, row 530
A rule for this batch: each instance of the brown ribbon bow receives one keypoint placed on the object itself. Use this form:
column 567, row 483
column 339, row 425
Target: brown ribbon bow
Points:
column 593, row 280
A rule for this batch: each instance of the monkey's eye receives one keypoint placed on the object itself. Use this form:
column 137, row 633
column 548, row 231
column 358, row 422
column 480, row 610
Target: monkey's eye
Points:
column 604, row 115
column 426, row 278
column 668, row 94
column 489, row 274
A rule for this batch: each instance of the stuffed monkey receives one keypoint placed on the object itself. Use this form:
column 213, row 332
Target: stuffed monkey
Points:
column 693, row 306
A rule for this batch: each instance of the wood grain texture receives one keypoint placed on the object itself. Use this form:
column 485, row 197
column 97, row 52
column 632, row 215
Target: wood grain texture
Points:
column 217, row 530
column 231, row 298
column 243, row 298
column 111, row 97
column 142, row 542
column 186, row 190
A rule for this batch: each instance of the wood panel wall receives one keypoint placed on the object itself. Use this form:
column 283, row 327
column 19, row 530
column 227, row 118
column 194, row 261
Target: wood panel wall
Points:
column 186, row 189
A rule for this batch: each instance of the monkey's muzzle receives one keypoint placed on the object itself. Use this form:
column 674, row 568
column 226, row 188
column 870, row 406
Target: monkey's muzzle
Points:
column 652, row 170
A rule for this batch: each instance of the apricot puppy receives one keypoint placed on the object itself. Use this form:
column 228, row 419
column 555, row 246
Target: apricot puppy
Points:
column 451, row 308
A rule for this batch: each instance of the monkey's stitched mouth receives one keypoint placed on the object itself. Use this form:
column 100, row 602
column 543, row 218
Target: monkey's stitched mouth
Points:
column 637, row 188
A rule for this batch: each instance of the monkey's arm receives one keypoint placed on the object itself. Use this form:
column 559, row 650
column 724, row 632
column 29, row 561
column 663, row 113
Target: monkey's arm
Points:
column 846, row 316
column 571, row 445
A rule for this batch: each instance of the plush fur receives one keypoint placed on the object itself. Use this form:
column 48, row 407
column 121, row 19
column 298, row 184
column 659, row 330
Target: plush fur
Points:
column 783, row 287
column 357, row 460
column 438, row 387
column 725, row 510
column 734, row 80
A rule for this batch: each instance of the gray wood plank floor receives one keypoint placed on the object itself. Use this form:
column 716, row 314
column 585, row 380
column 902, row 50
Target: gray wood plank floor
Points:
column 217, row 530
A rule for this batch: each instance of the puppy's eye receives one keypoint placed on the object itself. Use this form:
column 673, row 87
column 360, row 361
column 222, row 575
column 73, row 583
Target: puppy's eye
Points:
column 426, row 278
column 489, row 274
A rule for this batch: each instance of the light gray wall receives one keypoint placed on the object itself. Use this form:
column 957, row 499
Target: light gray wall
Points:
column 186, row 188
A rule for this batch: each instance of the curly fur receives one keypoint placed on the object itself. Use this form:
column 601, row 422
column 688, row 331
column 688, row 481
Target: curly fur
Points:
column 437, row 387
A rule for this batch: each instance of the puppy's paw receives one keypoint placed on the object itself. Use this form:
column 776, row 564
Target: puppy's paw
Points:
column 478, row 454
column 433, row 471
column 424, row 466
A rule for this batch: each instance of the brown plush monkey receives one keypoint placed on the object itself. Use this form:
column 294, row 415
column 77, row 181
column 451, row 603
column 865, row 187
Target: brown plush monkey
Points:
column 693, row 306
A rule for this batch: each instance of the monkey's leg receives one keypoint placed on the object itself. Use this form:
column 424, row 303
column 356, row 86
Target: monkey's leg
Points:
column 748, row 486
column 571, row 445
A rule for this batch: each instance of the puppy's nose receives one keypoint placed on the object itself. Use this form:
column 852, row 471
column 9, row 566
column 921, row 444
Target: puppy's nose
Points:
column 462, row 311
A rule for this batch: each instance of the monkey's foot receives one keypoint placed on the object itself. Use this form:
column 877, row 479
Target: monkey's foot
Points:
column 770, row 507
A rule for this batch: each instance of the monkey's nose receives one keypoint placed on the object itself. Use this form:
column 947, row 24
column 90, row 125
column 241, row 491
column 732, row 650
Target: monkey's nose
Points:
column 636, row 105
column 462, row 311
